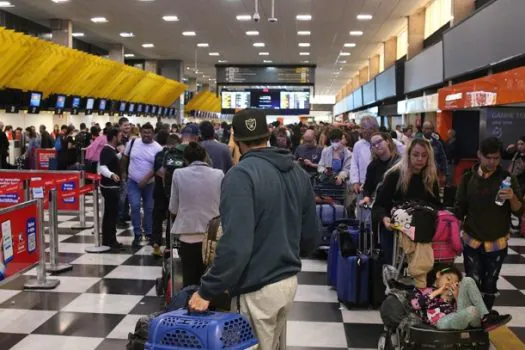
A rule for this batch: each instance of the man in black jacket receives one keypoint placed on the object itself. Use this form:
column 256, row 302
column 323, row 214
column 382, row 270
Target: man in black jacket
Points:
column 4, row 147
column 46, row 139
column 269, row 220
column 486, row 224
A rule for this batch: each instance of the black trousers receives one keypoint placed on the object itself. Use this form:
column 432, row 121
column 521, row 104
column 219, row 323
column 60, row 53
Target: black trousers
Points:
column 192, row 266
column 160, row 214
column 109, row 220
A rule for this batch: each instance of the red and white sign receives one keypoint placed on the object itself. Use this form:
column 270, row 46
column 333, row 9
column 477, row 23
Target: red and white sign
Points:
column 43, row 155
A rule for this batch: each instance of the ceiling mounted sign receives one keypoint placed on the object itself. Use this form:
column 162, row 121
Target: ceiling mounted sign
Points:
column 265, row 75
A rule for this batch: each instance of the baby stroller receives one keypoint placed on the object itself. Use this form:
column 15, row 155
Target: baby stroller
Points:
column 404, row 330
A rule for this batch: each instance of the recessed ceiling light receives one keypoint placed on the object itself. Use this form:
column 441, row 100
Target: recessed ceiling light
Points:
column 189, row 33
column 170, row 18
column 77, row 35
column 214, row 54
column 304, row 17
column 252, row 33
column 267, row 61
column 222, row 61
column 264, row 54
column 305, row 61
column 364, row 17
column 203, row 45
column 304, row 44
column 59, row 1
column 259, row 45
column 341, row 62
column 304, row 53
column 127, row 35
column 350, row 45
column 99, row 20
column 148, row 46
column 356, row 33
column 244, row 17
column 129, row 55
column 6, row 4
column 304, row 32
column 344, row 53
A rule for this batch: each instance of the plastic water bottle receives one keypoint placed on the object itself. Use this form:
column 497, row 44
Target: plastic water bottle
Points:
column 504, row 185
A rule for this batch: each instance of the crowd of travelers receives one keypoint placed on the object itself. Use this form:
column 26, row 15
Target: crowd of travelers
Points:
column 257, row 177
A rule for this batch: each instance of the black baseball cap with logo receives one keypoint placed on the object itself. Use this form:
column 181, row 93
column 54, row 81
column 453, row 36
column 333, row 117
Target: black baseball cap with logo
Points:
column 250, row 125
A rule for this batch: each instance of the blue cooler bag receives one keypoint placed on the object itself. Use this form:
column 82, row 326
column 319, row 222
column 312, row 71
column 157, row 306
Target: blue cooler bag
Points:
column 180, row 330
column 330, row 213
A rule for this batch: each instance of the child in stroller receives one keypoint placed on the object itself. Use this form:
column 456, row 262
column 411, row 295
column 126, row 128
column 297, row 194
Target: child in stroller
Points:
column 441, row 316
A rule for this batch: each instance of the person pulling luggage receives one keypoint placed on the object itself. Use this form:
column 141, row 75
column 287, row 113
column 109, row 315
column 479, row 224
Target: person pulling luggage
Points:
column 269, row 221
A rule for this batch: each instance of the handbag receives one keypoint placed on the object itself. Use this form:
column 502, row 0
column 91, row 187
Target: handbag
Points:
column 211, row 237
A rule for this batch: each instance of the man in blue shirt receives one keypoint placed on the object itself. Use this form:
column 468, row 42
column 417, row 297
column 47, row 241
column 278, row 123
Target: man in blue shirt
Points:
column 308, row 153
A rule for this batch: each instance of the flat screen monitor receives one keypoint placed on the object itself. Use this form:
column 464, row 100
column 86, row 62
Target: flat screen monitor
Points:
column 235, row 99
column 75, row 104
column 131, row 108
column 102, row 105
column 61, row 102
column 90, row 103
column 140, row 108
column 122, row 107
column 35, row 99
column 154, row 110
column 147, row 109
column 161, row 111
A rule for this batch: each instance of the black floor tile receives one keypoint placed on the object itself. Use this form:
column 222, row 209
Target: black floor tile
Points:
column 518, row 249
column 8, row 340
column 143, row 260
column 148, row 305
column 312, row 278
column 122, row 286
column 80, row 239
column 39, row 301
column 516, row 281
column 126, row 233
column 315, row 312
column 80, row 324
column 359, row 335
column 88, row 271
column 510, row 298
column 16, row 284
column 112, row 344
column 514, row 259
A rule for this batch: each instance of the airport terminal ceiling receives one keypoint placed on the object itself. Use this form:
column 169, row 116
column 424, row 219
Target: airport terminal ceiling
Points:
column 215, row 23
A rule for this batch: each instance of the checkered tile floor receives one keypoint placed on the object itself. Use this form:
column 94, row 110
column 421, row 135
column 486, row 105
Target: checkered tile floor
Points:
column 98, row 303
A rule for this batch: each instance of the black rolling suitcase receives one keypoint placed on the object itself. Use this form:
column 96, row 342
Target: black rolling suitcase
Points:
column 376, row 287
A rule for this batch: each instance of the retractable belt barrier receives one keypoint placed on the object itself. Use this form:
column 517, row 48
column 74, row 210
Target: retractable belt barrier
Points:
column 98, row 247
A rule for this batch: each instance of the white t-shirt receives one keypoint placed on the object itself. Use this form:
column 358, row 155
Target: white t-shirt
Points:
column 142, row 158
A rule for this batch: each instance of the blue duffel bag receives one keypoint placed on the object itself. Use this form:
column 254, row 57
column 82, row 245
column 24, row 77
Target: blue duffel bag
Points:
column 330, row 213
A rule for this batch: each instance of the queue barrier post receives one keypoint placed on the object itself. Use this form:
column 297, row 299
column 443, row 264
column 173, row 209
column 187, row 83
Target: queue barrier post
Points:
column 82, row 206
column 98, row 248
column 54, row 266
column 41, row 281
column 27, row 190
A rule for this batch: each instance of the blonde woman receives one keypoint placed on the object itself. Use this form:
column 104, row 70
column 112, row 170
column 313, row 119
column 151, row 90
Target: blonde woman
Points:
column 414, row 178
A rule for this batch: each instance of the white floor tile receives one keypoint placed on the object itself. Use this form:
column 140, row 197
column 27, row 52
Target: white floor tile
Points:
column 512, row 270
column 152, row 292
column 65, row 217
column 103, row 303
column 7, row 294
column 361, row 316
column 511, row 251
column 57, row 342
column 23, row 321
column 316, row 334
column 61, row 238
column 520, row 242
column 73, row 284
column 122, row 330
column 136, row 272
column 68, row 224
column 503, row 284
column 313, row 265
column 86, row 232
column 311, row 293
column 146, row 250
column 73, row 247
column 102, row 259
column 518, row 315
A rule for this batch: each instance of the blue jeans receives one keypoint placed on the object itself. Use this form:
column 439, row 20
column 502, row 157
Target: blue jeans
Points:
column 135, row 194
column 484, row 268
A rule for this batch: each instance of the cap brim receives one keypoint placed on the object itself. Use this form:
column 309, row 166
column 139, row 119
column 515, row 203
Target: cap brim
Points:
column 251, row 138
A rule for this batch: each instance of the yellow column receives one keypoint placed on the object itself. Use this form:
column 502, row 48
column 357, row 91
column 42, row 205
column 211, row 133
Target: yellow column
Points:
column 390, row 52
column 416, row 33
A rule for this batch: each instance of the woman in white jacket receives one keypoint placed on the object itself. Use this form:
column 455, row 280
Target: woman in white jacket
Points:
column 336, row 159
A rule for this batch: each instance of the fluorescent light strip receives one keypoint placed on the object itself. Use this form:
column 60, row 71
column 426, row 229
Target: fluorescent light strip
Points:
column 78, row 35
column 304, row 44
column 344, row 54
column 99, row 20
column 304, row 32
column 148, row 46
column 6, row 4
column 304, row 17
column 304, row 53
column 214, row 54
column 259, row 44
column 267, row 61
column 59, row 1
column 364, row 17
column 189, row 33
column 264, row 54
column 129, row 55
column 244, row 17
column 203, row 45
column 127, row 35
column 252, row 33
column 356, row 33
column 350, row 45
column 170, row 18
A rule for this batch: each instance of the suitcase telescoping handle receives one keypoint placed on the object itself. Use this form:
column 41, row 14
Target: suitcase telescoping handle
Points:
column 365, row 219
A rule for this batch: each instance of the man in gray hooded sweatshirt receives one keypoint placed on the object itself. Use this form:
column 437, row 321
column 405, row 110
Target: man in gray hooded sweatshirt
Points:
column 269, row 221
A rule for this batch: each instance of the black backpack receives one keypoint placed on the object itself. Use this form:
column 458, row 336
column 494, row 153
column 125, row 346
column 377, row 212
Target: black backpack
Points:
column 173, row 160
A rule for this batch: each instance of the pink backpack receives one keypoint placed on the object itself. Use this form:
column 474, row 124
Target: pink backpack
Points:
column 447, row 240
